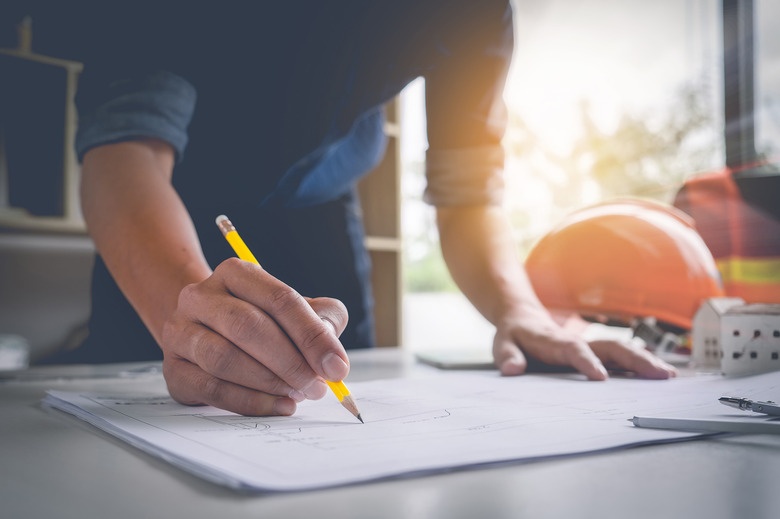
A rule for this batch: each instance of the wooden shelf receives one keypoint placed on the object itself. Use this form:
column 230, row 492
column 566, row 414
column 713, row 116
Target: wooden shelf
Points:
column 381, row 243
column 380, row 197
column 64, row 215
column 392, row 129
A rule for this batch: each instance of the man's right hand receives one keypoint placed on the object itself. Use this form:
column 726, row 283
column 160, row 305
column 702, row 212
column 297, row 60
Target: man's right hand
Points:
column 243, row 341
column 235, row 338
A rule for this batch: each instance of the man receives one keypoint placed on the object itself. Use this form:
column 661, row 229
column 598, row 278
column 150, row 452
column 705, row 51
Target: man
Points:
column 278, row 109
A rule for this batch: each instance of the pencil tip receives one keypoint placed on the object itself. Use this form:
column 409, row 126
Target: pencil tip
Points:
column 359, row 418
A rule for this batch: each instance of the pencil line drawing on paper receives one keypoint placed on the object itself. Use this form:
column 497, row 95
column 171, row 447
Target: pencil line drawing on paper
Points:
column 412, row 426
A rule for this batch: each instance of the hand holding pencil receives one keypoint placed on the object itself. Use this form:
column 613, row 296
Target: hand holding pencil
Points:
column 244, row 341
column 231, row 235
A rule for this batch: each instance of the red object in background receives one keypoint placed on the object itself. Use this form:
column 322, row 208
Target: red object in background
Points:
column 737, row 213
column 622, row 260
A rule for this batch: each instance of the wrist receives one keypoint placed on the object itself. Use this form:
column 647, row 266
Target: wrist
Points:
column 523, row 312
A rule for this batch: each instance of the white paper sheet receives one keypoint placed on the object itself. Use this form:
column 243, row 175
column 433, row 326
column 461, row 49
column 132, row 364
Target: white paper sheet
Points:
column 415, row 426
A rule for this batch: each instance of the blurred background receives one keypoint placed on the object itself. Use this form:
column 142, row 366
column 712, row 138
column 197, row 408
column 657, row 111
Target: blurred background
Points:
column 606, row 98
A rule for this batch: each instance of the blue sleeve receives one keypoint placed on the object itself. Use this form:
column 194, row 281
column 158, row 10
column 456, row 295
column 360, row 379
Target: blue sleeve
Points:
column 464, row 104
column 157, row 104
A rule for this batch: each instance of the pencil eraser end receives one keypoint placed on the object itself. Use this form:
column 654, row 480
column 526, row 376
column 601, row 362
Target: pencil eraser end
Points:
column 221, row 218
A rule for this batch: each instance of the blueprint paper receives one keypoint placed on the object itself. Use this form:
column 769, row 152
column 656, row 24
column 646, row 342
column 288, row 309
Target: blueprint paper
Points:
column 413, row 426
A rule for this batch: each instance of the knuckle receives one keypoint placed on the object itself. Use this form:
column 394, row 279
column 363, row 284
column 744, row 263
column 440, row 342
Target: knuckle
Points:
column 172, row 341
column 188, row 296
column 216, row 360
column 274, row 385
column 267, row 381
column 283, row 297
column 229, row 265
column 212, row 390
column 245, row 324
column 188, row 292
column 313, row 335
column 222, row 362
column 296, row 369
column 572, row 347
column 200, row 340
column 177, row 336
column 567, row 351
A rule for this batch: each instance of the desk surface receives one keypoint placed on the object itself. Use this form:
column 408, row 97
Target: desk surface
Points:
column 53, row 465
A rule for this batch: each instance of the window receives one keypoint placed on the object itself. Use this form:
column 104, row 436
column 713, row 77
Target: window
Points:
column 606, row 98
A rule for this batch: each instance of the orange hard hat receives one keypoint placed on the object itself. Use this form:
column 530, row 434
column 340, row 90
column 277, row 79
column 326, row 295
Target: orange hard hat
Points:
column 625, row 259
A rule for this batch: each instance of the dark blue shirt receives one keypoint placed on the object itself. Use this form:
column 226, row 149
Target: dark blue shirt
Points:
column 274, row 110
column 286, row 99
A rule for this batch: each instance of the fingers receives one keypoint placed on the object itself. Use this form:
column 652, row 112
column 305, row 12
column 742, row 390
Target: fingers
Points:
column 637, row 360
column 334, row 315
column 550, row 344
column 291, row 313
column 244, row 341
column 219, row 357
column 232, row 330
column 332, row 311
column 544, row 341
column 577, row 354
column 507, row 356
column 189, row 384
column 232, row 340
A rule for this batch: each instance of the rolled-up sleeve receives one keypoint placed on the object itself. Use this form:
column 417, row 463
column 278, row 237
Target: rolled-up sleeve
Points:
column 465, row 107
column 469, row 176
column 158, row 104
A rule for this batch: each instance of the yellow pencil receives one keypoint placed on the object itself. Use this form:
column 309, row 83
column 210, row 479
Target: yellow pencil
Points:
column 243, row 252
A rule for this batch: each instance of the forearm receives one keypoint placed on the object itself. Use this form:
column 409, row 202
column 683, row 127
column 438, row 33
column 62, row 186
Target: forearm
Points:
column 140, row 226
column 480, row 254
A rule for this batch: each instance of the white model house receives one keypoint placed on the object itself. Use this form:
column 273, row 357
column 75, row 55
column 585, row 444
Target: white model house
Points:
column 737, row 338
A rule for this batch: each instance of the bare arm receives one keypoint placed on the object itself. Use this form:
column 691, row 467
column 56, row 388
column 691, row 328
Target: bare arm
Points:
column 140, row 226
column 236, row 338
column 480, row 254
